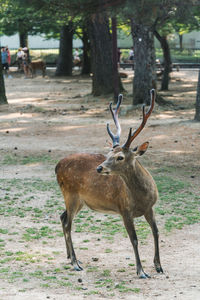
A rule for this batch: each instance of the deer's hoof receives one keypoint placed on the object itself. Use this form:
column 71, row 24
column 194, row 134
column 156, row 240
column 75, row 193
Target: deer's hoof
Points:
column 144, row 276
column 159, row 269
column 77, row 267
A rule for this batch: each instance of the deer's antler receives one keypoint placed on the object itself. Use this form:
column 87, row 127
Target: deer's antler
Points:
column 115, row 137
column 132, row 135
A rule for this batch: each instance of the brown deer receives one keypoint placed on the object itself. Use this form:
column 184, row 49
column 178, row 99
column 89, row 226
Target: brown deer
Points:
column 37, row 65
column 129, row 190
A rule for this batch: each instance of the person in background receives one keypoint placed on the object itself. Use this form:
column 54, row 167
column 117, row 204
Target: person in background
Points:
column 9, row 56
column 26, row 61
column 131, row 54
column 20, row 54
column 119, row 55
column 76, row 55
column 77, row 60
column 4, row 61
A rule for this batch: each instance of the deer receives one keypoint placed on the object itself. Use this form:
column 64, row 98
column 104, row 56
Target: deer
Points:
column 116, row 183
column 37, row 65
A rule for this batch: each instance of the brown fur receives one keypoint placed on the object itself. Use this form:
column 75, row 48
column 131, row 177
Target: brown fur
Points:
column 37, row 65
column 74, row 175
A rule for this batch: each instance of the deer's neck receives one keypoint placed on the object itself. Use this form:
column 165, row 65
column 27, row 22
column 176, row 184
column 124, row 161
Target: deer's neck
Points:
column 137, row 178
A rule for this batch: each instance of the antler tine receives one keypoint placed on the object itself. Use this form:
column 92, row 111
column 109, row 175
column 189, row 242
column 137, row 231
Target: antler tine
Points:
column 115, row 137
column 146, row 115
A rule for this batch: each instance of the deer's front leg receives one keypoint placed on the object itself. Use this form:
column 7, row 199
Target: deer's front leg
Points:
column 149, row 216
column 128, row 222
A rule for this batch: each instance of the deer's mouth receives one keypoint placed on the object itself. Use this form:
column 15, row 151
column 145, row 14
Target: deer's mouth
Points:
column 102, row 170
column 105, row 173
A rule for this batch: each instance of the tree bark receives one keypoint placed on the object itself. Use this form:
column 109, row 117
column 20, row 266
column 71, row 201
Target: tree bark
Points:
column 101, row 55
column 166, row 62
column 86, row 59
column 197, row 114
column 144, row 63
column 23, row 39
column 3, row 99
column 114, row 60
column 180, row 42
column 65, row 59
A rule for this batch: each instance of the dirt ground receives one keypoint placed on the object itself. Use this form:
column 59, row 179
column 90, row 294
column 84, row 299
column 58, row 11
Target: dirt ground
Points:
column 53, row 117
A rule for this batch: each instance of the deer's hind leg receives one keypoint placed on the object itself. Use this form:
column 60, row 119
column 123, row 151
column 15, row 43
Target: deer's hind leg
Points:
column 72, row 208
column 149, row 216
column 63, row 219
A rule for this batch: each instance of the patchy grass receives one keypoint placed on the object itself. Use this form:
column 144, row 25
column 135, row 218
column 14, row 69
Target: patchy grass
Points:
column 178, row 204
column 40, row 203
column 19, row 198
column 16, row 159
column 123, row 288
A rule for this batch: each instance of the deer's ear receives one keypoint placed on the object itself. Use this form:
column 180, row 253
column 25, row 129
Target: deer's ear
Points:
column 140, row 150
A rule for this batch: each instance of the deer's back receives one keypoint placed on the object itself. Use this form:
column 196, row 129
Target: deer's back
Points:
column 37, row 65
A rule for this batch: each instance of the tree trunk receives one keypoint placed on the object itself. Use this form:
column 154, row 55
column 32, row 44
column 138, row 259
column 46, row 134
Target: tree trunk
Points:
column 166, row 62
column 197, row 115
column 86, row 59
column 101, row 55
column 23, row 39
column 144, row 63
column 65, row 59
column 180, row 42
column 115, row 60
column 3, row 99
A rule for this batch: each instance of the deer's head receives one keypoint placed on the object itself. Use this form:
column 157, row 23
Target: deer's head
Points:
column 121, row 157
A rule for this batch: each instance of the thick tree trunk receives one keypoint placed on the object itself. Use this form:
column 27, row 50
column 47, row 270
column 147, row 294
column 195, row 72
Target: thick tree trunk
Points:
column 166, row 62
column 101, row 55
column 86, row 59
column 65, row 59
column 197, row 114
column 3, row 99
column 144, row 63
column 23, row 39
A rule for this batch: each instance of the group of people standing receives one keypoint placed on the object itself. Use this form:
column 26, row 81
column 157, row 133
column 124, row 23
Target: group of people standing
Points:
column 23, row 60
column 6, row 60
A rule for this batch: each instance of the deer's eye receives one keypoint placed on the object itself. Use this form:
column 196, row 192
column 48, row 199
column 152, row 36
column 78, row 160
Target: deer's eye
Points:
column 120, row 158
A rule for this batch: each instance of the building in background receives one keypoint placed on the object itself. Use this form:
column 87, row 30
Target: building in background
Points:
column 190, row 41
column 34, row 42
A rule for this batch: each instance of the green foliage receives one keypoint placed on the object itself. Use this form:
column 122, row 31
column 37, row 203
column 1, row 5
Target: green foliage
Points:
column 30, row 17
column 185, row 56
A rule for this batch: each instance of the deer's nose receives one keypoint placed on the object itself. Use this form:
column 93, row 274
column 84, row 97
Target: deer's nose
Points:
column 99, row 169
